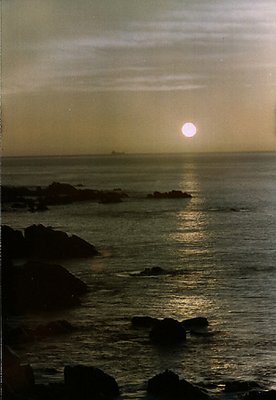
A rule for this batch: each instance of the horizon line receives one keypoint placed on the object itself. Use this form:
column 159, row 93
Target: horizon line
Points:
column 123, row 154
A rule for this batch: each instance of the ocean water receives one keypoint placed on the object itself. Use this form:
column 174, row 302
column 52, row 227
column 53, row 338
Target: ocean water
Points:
column 222, row 242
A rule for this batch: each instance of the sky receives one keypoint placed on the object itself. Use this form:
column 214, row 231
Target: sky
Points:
column 93, row 76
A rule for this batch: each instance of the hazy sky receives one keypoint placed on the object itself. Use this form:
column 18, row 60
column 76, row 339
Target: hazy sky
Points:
column 92, row 76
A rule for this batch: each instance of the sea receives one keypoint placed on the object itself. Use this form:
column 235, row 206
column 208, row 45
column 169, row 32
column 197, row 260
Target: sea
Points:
column 219, row 248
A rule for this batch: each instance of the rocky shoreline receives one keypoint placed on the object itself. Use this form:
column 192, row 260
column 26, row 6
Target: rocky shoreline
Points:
column 39, row 199
column 85, row 382
column 35, row 286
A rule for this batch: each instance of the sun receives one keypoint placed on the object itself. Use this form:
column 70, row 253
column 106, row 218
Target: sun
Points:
column 189, row 129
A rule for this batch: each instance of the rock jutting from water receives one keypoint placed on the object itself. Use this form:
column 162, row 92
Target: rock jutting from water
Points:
column 85, row 382
column 173, row 194
column 80, row 382
column 36, row 286
column 167, row 331
column 38, row 198
column 44, row 242
column 168, row 385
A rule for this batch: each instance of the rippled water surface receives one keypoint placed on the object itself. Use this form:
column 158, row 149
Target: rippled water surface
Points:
column 221, row 244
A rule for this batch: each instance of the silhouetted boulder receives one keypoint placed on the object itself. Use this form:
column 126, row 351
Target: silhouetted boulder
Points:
column 17, row 378
column 167, row 331
column 60, row 189
column 13, row 243
column 143, row 321
column 37, row 286
column 260, row 395
column 174, row 194
column 86, row 383
column 17, row 335
column 168, row 385
column 45, row 242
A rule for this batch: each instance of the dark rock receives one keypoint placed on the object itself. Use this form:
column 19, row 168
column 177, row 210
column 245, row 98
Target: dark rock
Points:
column 168, row 385
column 167, row 331
column 46, row 242
column 174, row 194
column 240, row 386
column 37, row 198
column 260, row 395
column 143, row 321
column 17, row 378
column 60, row 189
column 17, row 335
column 12, row 194
column 59, row 327
column 153, row 271
column 41, row 206
column 87, row 383
column 13, row 243
column 110, row 197
column 43, row 242
column 19, row 205
column 195, row 323
column 51, row 391
column 37, row 286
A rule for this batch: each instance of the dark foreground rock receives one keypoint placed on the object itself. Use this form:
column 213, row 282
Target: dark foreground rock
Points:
column 13, row 243
column 174, row 194
column 260, row 395
column 167, row 331
column 84, row 382
column 37, row 286
column 44, row 242
column 168, row 385
column 17, row 378
column 80, row 382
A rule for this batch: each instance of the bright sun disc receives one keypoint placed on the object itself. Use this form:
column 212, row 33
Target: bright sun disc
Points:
column 188, row 129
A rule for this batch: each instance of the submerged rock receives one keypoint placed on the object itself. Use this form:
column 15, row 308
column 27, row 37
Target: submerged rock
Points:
column 168, row 385
column 53, row 328
column 153, row 271
column 84, row 382
column 167, row 331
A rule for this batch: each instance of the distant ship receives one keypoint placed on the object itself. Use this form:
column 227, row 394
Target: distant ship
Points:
column 117, row 153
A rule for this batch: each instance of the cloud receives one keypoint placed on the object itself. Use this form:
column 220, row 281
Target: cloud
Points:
column 180, row 46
